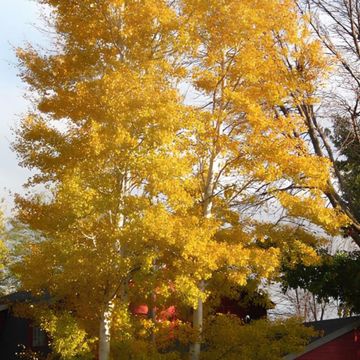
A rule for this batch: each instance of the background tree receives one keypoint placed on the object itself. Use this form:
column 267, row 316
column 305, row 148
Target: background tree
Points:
column 336, row 277
column 348, row 146
column 333, row 125
column 336, row 24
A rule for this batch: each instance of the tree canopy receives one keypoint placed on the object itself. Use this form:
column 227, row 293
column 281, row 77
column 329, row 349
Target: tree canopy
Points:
column 150, row 195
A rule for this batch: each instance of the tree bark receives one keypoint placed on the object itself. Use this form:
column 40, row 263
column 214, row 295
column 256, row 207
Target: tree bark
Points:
column 195, row 348
column 333, row 195
column 208, row 193
column 105, row 333
column 107, row 312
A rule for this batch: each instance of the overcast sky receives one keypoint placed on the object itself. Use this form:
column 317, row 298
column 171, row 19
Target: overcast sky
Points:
column 17, row 20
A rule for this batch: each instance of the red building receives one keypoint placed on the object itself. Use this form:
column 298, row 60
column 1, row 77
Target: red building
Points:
column 340, row 340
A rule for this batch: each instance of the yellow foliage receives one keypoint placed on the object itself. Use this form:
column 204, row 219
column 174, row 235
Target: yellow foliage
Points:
column 67, row 338
column 146, row 193
column 260, row 340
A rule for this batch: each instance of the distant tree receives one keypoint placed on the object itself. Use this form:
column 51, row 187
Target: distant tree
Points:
column 336, row 277
column 347, row 142
column 333, row 130
column 335, row 115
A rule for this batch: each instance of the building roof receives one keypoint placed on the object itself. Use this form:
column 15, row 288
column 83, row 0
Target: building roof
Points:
column 329, row 330
column 327, row 327
column 21, row 297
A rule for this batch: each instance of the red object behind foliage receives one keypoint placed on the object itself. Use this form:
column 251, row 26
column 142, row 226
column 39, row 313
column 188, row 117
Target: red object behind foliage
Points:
column 141, row 310
column 166, row 314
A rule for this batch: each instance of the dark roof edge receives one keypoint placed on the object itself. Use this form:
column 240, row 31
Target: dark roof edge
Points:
column 324, row 340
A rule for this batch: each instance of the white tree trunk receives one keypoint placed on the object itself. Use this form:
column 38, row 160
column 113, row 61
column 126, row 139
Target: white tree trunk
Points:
column 195, row 348
column 104, row 333
column 106, row 316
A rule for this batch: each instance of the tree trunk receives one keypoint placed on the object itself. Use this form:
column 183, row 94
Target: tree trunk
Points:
column 104, row 333
column 106, row 315
column 152, row 315
column 195, row 348
column 333, row 195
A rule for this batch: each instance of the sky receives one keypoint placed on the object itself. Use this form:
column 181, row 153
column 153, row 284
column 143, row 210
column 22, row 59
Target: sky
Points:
column 18, row 21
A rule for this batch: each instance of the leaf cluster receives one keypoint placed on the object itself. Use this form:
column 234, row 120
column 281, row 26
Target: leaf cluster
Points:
column 336, row 276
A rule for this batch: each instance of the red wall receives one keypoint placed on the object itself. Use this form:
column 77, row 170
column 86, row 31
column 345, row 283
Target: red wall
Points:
column 345, row 347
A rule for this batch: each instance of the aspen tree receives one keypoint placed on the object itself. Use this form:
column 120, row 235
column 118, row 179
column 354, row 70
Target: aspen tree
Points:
column 102, row 140
column 249, row 154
